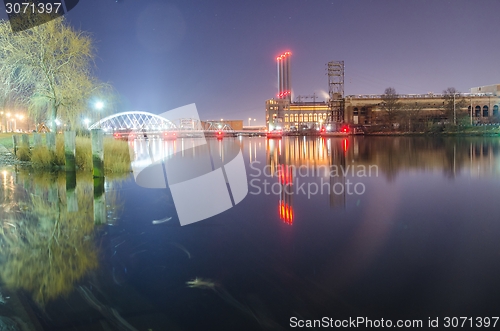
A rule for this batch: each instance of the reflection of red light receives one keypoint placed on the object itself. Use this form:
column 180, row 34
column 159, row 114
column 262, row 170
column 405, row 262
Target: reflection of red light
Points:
column 286, row 212
column 346, row 145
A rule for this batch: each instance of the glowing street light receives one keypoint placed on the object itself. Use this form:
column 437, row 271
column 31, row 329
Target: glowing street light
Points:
column 87, row 122
column 19, row 117
column 99, row 105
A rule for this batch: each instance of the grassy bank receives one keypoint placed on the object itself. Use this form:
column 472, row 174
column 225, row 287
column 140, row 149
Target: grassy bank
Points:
column 116, row 154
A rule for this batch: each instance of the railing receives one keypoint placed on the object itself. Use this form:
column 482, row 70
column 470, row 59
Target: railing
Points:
column 417, row 96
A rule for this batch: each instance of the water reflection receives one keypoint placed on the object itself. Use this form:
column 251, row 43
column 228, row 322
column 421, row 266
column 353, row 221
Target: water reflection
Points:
column 47, row 232
column 340, row 167
column 475, row 156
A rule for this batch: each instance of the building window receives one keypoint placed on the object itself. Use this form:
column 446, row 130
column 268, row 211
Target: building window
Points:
column 355, row 111
column 315, row 117
column 495, row 110
column 485, row 111
column 301, row 118
column 363, row 111
column 286, row 118
column 306, row 118
column 478, row 111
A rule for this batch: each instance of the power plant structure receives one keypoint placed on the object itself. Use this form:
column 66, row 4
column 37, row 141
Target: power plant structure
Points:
column 283, row 114
column 339, row 112
column 284, row 87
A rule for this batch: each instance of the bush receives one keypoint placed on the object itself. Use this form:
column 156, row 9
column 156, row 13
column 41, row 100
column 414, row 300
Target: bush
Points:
column 59, row 159
column 41, row 157
column 83, row 153
column 116, row 155
column 23, row 153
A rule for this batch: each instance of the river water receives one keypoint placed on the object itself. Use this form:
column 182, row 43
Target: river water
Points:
column 393, row 228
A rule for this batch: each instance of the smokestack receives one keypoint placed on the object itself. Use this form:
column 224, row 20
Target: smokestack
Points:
column 284, row 86
column 278, row 61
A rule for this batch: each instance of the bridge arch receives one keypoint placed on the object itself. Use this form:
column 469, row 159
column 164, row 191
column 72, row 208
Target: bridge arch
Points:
column 134, row 120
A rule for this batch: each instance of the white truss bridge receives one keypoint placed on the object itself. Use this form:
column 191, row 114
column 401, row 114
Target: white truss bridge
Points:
column 151, row 123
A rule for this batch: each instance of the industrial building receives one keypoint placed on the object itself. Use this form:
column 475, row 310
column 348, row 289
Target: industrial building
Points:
column 482, row 104
column 367, row 109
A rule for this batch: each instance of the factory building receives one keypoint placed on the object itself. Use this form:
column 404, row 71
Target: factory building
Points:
column 482, row 105
column 297, row 115
column 368, row 110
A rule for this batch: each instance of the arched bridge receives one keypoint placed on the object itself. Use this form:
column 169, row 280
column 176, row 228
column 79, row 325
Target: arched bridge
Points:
column 135, row 120
column 154, row 124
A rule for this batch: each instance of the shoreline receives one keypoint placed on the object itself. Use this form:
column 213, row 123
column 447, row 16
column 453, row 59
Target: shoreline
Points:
column 7, row 158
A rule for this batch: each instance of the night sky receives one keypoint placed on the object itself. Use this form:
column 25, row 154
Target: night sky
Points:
column 221, row 55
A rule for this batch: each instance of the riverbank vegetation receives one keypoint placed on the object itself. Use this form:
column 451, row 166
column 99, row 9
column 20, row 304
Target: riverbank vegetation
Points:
column 116, row 155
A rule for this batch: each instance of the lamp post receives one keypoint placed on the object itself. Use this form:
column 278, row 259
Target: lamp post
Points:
column 99, row 105
column 9, row 124
column 19, row 117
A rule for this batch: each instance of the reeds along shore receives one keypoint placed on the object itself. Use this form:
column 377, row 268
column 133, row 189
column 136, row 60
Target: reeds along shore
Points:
column 116, row 155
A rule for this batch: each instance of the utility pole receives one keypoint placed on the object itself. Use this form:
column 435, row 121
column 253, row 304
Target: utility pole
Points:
column 454, row 111
column 471, row 110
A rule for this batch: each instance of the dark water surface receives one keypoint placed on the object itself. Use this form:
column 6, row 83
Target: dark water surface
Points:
column 410, row 232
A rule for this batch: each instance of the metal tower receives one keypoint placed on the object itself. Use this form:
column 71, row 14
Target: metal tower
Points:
column 335, row 72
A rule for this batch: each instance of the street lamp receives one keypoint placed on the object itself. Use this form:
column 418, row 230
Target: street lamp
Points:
column 9, row 124
column 19, row 117
column 99, row 105
column 87, row 122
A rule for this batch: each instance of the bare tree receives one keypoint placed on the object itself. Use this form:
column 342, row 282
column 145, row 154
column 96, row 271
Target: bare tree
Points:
column 391, row 105
column 48, row 69
column 410, row 114
column 453, row 105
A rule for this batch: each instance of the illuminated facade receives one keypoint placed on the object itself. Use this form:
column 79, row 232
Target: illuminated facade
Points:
column 367, row 109
column 295, row 115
